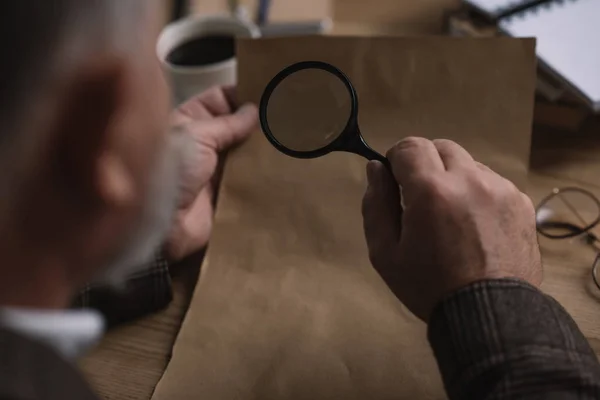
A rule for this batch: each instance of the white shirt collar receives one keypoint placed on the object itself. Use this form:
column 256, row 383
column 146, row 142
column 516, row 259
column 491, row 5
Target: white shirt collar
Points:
column 70, row 332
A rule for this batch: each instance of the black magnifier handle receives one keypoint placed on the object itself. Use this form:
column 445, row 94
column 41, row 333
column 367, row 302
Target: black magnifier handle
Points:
column 357, row 145
column 372, row 155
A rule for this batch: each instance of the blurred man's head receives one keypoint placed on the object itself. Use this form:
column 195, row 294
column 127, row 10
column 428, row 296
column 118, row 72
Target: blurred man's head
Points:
column 83, row 112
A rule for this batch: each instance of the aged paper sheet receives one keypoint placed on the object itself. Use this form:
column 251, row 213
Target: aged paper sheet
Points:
column 287, row 305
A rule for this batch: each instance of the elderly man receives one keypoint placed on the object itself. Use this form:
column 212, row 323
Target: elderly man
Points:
column 94, row 182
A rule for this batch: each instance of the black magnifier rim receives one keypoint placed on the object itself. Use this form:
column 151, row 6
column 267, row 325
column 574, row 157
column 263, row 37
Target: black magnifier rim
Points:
column 280, row 77
column 576, row 231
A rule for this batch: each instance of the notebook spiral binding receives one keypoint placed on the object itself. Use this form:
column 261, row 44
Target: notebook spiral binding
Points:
column 524, row 8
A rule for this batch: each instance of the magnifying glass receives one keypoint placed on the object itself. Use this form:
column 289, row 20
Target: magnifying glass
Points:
column 310, row 109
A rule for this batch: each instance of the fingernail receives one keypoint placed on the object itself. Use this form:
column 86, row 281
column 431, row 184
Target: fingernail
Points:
column 247, row 108
column 372, row 175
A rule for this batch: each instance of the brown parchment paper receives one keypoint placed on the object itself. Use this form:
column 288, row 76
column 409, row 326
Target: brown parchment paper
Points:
column 287, row 306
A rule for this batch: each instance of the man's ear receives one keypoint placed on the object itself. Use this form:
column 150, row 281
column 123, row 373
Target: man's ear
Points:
column 86, row 129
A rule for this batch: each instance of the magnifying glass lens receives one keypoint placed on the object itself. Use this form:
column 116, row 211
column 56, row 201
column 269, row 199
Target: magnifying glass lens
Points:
column 309, row 109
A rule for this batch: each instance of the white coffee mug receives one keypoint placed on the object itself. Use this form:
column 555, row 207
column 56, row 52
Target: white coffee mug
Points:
column 187, row 81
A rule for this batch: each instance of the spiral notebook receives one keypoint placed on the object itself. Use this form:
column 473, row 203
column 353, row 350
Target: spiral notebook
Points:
column 497, row 9
column 566, row 32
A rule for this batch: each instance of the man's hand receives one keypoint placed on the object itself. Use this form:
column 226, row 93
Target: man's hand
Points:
column 213, row 126
column 461, row 223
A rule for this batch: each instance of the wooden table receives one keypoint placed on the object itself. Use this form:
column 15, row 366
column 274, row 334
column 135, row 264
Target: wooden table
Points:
column 130, row 361
column 132, row 358
column 560, row 160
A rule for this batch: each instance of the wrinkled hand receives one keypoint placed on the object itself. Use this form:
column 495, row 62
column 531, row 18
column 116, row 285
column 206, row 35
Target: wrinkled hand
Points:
column 213, row 125
column 462, row 223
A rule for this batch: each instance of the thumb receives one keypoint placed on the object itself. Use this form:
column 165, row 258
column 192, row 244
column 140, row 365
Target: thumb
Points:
column 223, row 132
column 381, row 211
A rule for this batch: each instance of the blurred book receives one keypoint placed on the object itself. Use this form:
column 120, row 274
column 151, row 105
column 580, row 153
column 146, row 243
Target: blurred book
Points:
column 498, row 9
column 281, row 10
column 565, row 31
column 559, row 103
column 404, row 17
column 274, row 18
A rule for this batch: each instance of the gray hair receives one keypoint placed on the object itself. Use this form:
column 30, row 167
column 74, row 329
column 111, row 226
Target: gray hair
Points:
column 39, row 38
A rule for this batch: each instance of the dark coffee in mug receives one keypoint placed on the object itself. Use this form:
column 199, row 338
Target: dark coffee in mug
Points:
column 204, row 50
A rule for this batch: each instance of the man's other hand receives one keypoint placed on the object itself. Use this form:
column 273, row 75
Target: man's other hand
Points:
column 461, row 223
column 214, row 124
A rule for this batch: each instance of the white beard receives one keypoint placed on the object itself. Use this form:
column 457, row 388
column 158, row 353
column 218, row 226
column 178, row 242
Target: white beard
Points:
column 154, row 222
